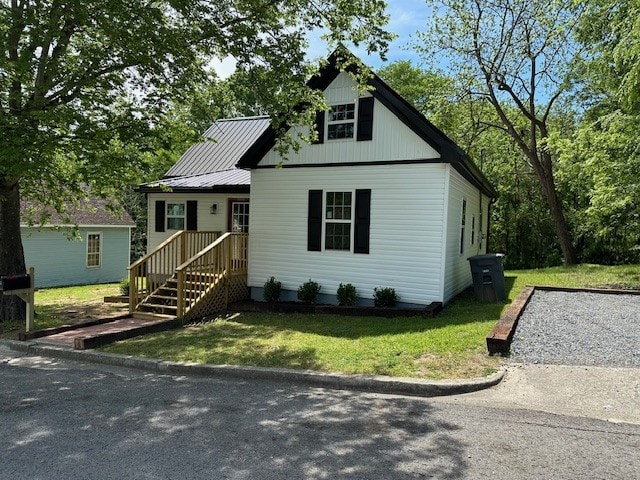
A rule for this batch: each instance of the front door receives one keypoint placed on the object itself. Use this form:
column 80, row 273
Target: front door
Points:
column 239, row 215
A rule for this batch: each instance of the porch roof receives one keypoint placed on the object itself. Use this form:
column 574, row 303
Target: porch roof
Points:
column 234, row 180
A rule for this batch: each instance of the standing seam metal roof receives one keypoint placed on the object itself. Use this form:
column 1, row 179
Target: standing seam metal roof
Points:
column 226, row 142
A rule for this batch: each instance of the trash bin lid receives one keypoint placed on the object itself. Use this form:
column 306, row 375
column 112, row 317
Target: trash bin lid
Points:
column 486, row 256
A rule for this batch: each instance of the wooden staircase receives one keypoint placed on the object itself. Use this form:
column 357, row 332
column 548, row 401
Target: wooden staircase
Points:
column 200, row 285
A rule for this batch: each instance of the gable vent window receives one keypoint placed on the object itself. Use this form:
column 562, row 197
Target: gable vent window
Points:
column 341, row 121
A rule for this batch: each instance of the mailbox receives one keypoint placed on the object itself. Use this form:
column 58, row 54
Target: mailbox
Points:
column 15, row 282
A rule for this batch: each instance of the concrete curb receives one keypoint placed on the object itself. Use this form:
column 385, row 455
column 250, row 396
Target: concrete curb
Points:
column 374, row 384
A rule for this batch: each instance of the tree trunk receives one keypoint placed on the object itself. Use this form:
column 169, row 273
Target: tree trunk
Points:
column 545, row 176
column 11, row 252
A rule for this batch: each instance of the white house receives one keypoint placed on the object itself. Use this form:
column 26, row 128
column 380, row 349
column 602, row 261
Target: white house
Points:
column 383, row 199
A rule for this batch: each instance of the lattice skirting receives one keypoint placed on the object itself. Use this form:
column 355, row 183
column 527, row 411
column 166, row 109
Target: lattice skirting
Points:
column 218, row 299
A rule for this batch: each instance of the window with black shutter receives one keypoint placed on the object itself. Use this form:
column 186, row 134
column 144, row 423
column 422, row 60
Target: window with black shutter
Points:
column 160, row 212
column 192, row 215
column 314, row 221
column 365, row 119
column 363, row 215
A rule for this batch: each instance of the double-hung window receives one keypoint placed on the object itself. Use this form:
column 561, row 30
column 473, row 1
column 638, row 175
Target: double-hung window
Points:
column 175, row 216
column 341, row 121
column 338, row 215
column 94, row 250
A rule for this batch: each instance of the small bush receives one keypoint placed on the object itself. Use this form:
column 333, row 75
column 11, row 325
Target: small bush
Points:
column 308, row 291
column 272, row 290
column 346, row 294
column 385, row 297
column 124, row 287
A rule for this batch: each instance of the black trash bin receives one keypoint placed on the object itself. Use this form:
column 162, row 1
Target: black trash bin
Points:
column 488, row 277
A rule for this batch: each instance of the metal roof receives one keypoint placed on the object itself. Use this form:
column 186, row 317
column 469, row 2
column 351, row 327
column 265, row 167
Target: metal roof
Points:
column 226, row 141
column 227, row 178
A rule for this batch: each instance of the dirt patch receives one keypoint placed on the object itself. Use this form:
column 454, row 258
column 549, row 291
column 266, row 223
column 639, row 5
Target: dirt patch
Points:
column 53, row 315
column 80, row 312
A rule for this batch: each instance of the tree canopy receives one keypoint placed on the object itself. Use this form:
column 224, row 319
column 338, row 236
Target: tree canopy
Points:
column 83, row 82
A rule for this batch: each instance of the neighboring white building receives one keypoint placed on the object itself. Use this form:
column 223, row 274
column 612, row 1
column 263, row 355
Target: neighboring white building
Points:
column 384, row 199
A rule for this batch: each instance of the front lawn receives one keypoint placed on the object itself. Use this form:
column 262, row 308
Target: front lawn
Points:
column 65, row 305
column 452, row 345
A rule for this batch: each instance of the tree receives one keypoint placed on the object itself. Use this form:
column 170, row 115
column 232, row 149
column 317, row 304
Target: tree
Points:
column 515, row 54
column 83, row 81
column 520, row 225
column 600, row 162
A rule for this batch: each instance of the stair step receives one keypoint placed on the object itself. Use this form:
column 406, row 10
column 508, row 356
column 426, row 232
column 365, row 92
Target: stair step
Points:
column 164, row 297
column 152, row 316
column 158, row 306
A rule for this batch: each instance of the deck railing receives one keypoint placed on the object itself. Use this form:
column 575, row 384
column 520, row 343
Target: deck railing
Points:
column 214, row 266
column 151, row 271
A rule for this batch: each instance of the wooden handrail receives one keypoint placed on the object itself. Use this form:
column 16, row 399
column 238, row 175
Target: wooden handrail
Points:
column 152, row 270
column 209, row 268
column 144, row 258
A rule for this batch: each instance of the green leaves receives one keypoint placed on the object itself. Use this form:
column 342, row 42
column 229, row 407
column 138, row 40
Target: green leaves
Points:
column 77, row 76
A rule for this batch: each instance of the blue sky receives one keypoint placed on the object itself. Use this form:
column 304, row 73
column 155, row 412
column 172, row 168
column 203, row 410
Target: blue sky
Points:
column 406, row 18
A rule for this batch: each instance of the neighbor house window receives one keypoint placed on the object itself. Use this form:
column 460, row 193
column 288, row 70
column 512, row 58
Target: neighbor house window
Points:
column 338, row 214
column 94, row 249
column 175, row 216
column 462, row 225
column 341, row 121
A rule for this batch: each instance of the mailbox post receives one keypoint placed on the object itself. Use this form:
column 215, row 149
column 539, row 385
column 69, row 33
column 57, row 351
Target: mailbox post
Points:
column 21, row 286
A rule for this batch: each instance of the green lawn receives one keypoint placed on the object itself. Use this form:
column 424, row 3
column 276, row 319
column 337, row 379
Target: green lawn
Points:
column 452, row 345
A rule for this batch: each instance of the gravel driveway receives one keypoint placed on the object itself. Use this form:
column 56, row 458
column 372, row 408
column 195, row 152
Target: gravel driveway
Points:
column 579, row 328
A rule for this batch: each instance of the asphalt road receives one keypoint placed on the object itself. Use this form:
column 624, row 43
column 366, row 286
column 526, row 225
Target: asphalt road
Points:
column 65, row 420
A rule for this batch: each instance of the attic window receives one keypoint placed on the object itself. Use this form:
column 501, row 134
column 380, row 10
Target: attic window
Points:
column 341, row 121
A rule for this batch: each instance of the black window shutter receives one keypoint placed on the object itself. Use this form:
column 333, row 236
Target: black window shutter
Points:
column 365, row 119
column 160, row 211
column 320, row 127
column 363, row 215
column 192, row 215
column 314, row 221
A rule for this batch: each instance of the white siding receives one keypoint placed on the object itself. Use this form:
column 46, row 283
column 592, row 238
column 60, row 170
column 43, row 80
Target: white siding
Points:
column 457, row 270
column 206, row 220
column 407, row 203
column 392, row 140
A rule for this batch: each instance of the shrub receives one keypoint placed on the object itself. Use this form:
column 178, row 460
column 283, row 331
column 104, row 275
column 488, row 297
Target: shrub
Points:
column 385, row 297
column 308, row 291
column 124, row 287
column 272, row 290
column 346, row 294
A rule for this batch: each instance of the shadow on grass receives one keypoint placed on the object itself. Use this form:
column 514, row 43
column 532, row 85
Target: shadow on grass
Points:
column 221, row 343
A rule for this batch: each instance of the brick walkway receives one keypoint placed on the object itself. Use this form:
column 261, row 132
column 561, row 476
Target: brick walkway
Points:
column 91, row 336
